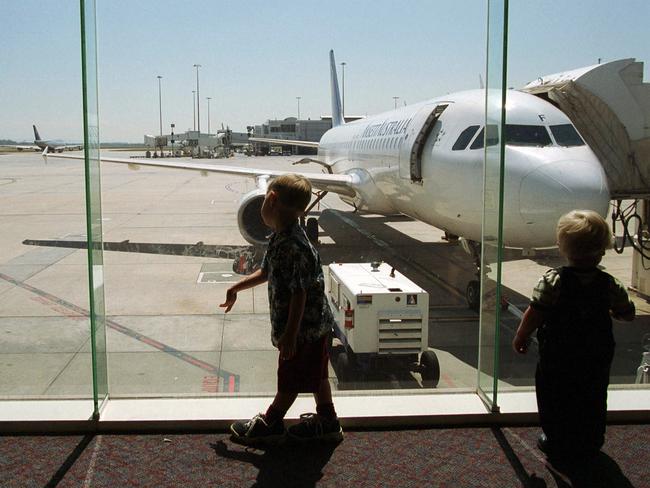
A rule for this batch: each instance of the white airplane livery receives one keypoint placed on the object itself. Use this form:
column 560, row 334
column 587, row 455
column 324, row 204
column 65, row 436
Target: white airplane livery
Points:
column 426, row 161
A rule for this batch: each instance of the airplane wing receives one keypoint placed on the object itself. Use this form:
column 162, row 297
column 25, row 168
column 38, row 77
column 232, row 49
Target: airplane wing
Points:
column 342, row 184
column 22, row 148
column 286, row 142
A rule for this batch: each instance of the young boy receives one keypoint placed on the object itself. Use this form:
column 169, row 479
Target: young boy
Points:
column 571, row 308
column 301, row 320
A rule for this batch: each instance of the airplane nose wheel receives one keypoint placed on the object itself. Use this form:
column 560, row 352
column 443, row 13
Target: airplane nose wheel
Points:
column 473, row 291
column 473, row 295
column 429, row 369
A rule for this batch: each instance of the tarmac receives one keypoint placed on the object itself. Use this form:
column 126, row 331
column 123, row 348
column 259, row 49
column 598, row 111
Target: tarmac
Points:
column 165, row 333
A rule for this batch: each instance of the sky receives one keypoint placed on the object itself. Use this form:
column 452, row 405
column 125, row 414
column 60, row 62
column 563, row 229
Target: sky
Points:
column 258, row 56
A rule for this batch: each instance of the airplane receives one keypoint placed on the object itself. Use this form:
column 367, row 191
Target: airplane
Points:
column 425, row 161
column 40, row 145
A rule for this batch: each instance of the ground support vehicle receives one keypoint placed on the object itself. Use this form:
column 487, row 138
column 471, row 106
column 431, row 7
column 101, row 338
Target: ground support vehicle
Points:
column 382, row 320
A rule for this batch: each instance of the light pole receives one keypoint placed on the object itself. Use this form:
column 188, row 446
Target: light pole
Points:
column 160, row 103
column 343, row 87
column 198, row 99
column 173, row 125
column 208, row 98
column 298, row 98
column 194, row 108
column 395, row 98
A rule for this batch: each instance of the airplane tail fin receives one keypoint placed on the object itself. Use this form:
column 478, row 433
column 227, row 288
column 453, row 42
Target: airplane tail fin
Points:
column 337, row 113
column 37, row 137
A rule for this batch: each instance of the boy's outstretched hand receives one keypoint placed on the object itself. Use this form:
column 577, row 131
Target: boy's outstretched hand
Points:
column 231, row 298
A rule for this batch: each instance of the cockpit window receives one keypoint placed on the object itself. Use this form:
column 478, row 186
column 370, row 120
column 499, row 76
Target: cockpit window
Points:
column 464, row 138
column 567, row 135
column 527, row 135
column 492, row 137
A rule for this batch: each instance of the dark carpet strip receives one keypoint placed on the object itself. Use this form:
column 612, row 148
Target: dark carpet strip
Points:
column 442, row 457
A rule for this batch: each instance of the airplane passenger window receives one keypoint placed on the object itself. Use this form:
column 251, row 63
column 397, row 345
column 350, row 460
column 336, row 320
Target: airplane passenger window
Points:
column 492, row 137
column 527, row 135
column 464, row 138
column 566, row 135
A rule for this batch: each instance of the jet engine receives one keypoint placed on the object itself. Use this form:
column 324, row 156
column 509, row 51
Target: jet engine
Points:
column 249, row 218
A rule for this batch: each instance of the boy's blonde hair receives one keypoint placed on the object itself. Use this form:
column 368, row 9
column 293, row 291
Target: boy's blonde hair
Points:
column 583, row 235
column 294, row 191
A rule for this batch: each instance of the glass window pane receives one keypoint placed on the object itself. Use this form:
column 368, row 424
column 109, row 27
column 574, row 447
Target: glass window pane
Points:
column 599, row 125
column 45, row 311
column 93, row 202
column 493, row 198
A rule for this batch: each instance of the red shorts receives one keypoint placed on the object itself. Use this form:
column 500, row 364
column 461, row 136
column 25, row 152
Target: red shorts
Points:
column 304, row 372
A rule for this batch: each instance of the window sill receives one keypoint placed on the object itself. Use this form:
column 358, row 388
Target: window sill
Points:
column 356, row 411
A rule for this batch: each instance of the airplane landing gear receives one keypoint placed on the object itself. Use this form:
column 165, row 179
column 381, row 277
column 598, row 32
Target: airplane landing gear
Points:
column 473, row 291
column 311, row 225
column 473, row 295
column 311, row 229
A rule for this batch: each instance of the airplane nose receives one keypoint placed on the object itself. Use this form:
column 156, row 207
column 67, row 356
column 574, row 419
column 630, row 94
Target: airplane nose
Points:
column 556, row 188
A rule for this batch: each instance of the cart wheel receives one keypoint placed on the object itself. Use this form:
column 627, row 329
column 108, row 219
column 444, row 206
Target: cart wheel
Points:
column 343, row 367
column 430, row 369
column 473, row 295
column 312, row 230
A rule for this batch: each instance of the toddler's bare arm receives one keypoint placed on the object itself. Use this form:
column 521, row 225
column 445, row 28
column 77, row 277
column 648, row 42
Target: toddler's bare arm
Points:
column 627, row 315
column 531, row 320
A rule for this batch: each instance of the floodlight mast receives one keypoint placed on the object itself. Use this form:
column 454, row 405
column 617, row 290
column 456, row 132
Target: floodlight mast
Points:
column 198, row 100
column 194, row 109
column 160, row 104
column 208, row 98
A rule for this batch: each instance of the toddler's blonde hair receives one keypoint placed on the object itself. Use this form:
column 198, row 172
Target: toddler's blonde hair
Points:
column 583, row 235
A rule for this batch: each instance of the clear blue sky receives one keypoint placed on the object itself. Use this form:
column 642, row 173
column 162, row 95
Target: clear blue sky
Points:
column 258, row 56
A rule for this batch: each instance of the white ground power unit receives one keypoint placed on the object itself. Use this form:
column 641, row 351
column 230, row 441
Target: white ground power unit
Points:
column 381, row 316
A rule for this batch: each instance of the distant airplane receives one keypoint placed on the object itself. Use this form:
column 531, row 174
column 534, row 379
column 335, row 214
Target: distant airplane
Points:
column 50, row 145
column 426, row 161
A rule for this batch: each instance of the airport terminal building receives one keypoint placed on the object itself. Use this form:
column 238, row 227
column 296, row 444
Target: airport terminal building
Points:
column 292, row 128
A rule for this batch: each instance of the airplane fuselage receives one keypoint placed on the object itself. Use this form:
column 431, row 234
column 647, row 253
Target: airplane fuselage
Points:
column 546, row 174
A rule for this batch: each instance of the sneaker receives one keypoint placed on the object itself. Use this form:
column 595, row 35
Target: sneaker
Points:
column 317, row 428
column 257, row 431
column 543, row 444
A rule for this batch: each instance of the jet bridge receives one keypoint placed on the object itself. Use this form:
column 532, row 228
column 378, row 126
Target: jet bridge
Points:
column 610, row 106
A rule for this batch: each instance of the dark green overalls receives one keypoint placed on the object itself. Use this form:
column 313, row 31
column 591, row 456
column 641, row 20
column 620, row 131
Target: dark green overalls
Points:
column 576, row 348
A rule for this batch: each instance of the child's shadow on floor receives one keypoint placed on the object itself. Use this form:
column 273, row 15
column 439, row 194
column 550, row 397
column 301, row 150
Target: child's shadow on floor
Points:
column 601, row 472
column 287, row 465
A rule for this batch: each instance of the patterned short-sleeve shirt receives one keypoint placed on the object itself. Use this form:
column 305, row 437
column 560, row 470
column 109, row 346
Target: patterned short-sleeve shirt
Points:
column 547, row 291
column 292, row 263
